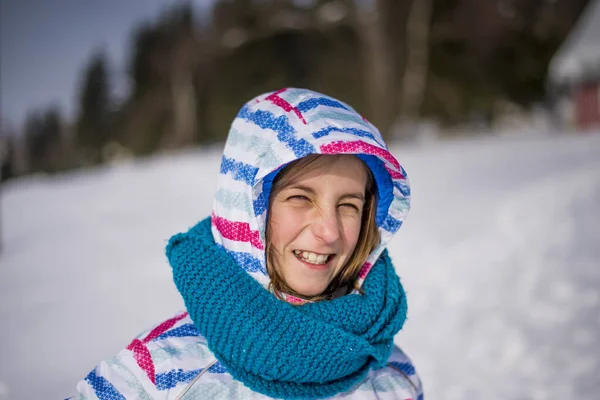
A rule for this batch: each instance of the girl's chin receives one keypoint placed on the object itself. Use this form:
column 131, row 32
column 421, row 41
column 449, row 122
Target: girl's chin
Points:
column 308, row 279
column 308, row 287
column 308, row 292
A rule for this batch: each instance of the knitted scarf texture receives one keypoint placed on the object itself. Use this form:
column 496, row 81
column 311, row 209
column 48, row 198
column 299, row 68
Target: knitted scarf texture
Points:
column 284, row 351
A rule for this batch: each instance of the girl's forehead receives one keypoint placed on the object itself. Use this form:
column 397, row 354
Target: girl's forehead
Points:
column 344, row 165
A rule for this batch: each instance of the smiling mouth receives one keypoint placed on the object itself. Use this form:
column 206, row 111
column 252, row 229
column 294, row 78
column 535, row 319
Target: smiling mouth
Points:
column 313, row 258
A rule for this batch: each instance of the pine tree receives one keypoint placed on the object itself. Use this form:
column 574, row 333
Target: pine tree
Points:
column 43, row 140
column 94, row 120
column 161, row 110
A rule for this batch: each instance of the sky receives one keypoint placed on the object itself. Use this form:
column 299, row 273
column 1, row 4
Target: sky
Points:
column 45, row 45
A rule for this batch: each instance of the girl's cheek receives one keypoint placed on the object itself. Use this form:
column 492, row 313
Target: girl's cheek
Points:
column 352, row 229
column 291, row 222
column 297, row 214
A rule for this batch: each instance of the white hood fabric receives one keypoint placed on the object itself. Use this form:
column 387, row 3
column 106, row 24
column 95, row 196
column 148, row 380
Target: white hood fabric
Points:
column 277, row 128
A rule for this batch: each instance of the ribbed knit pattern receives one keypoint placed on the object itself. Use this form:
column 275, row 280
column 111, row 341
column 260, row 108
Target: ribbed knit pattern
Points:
column 310, row 351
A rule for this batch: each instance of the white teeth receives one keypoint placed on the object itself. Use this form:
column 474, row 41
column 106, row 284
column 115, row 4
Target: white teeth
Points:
column 312, row 258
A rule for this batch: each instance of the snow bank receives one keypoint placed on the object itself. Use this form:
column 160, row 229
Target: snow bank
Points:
column 499, row 256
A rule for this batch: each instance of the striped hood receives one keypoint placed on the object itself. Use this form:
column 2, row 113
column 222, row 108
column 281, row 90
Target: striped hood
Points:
column 275, row 129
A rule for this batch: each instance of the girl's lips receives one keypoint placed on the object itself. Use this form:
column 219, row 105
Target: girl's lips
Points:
column 317, row 267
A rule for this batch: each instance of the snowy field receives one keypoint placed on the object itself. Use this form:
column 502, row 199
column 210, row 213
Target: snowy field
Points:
column 500, row 257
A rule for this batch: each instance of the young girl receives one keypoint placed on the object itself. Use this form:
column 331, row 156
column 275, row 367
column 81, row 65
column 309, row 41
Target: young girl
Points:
column 289, row 290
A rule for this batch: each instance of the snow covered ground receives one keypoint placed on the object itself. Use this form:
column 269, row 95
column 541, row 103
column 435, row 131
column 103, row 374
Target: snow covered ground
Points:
column 500, row 257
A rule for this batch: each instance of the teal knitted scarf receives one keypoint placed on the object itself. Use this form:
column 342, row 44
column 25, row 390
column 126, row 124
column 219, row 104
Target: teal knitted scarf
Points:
column 310, row 351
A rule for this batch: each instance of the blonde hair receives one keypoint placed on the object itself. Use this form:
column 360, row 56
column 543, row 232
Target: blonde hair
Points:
column 368, row 237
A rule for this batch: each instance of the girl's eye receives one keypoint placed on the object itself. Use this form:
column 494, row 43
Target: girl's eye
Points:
column 298, row 197
column 349, row 206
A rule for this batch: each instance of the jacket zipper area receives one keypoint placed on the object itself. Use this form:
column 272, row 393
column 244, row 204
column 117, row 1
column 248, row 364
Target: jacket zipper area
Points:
column 189, row 386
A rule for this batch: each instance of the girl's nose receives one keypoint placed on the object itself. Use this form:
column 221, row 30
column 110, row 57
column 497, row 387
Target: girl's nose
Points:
column 326, row 227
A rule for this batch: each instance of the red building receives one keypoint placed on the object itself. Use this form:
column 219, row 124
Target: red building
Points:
column 574, row 72
column 587, row 105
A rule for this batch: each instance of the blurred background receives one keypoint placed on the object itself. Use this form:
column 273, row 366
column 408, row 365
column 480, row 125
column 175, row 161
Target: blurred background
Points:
column 113, row 117
column 84, row 84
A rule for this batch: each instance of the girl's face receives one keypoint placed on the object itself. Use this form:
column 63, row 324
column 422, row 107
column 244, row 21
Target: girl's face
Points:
column 315, row 223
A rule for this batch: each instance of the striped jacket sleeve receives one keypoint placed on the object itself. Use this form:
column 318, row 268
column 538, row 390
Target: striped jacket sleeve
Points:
column 114, row 379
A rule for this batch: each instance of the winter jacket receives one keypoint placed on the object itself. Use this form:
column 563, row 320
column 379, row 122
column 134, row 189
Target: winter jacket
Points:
column 173, row 360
